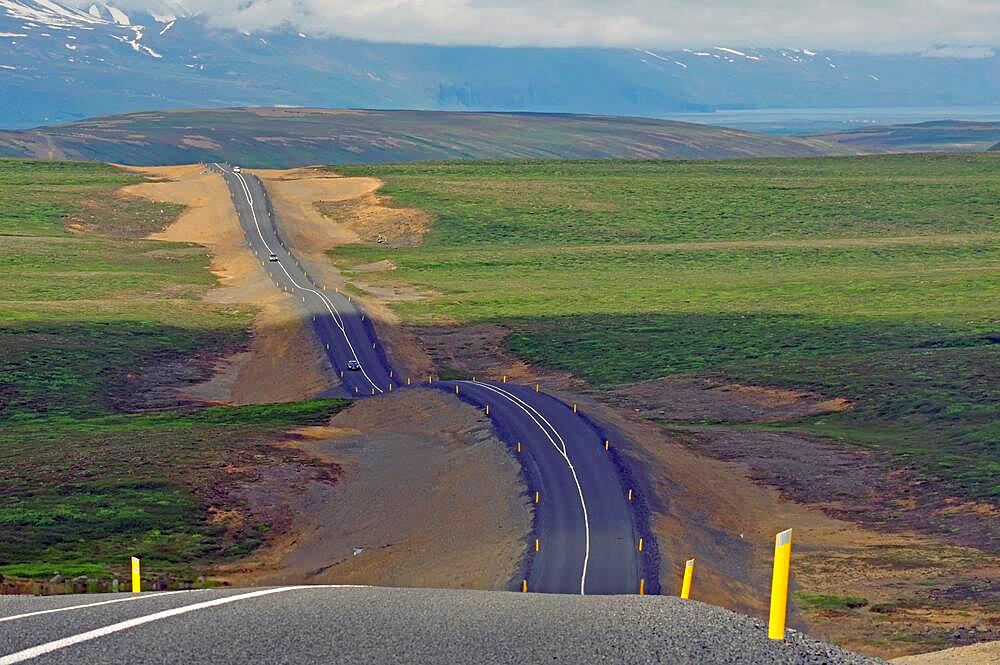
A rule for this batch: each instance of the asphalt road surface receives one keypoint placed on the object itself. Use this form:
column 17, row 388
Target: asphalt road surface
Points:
column 292, row 625
column 586, row 532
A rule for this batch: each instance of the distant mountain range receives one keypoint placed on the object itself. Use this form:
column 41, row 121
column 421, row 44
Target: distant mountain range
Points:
column 283, row 138
column 59, row 63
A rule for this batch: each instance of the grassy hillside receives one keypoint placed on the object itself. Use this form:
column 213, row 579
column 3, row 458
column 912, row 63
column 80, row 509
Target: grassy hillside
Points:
column 874, row 279
column 296, row 137
column 937, row 136
column 97, row 465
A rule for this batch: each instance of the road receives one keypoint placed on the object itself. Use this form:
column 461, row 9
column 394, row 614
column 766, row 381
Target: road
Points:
column 293, row 625
column 587, row 532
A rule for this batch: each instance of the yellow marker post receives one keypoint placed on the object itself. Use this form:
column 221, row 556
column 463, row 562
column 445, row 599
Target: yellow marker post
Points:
column 518, row 446
column 630, row 496
column 430, row 379
column 524, row 586
column 456, row 389
column 538, row 495
column 407, row 380
column 640, row 544
column 574, row 407
column 779, row 585
column 487, row 409
column 688, row 575
column 537, row 387
column 537, row 544
column 136, row 578
column 642, row 587
column 607, row 445
column 504, row 378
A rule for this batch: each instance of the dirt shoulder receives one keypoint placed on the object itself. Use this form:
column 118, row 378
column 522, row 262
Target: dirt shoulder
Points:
column 987, row 653
column 427, row 498
column 283, row 362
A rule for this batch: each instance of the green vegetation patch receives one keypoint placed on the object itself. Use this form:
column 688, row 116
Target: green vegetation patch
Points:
column 97, row 326
column 875, row 279
column 818, row 602
column 86, row 493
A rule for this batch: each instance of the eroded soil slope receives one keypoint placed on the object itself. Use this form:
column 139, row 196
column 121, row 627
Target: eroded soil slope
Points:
column 427, row 498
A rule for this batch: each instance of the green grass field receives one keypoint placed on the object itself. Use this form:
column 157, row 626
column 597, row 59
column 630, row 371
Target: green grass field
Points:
column 876, row 279
column 86, row 317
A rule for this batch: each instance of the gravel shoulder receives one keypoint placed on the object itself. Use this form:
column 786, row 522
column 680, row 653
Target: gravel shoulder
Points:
column 426, row 497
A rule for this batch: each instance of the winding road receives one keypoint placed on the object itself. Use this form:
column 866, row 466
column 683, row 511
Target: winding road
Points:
column 586, row 535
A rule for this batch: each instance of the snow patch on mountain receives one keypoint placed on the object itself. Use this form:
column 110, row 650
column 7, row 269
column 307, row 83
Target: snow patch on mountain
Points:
column 47, row 13
column 119, row 17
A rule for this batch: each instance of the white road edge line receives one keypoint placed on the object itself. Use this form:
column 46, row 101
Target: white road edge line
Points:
column 527, row 408
column 55, row 645
column 334, row 312
column 70, row 608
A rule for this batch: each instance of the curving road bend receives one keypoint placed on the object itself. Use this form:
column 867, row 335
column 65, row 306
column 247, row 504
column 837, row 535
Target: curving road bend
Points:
column 587, row 532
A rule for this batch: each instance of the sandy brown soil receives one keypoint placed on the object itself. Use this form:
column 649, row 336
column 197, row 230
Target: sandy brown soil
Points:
column 696, row 399
column 987, row 653
column 283, row 362
column 426, row 494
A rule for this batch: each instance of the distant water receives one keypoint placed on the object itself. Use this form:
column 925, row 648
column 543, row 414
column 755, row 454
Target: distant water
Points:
column 808, row 121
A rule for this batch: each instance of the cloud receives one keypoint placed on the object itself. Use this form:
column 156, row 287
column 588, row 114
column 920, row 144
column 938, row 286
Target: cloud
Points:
column 882, row 26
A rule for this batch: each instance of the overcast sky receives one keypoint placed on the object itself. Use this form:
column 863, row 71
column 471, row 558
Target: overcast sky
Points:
column 870, row 25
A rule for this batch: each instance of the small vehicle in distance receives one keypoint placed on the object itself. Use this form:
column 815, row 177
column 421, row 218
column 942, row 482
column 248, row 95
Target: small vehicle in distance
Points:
column 273, row 258
column 353, row 365
column 237, row 169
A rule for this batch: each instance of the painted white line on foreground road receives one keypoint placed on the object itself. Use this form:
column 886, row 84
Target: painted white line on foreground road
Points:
column 55, row 645
column 70, row 608
column 528, row 409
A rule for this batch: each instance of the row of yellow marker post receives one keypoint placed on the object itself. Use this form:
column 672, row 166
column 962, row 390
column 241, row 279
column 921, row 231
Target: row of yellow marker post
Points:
column 779, row 578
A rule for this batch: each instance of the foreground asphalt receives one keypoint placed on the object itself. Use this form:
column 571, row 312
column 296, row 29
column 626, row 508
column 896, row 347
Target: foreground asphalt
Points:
column 586, row 533
column 291, row 625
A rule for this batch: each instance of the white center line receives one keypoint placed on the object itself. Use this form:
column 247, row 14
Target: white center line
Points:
column 528, row 409
column 334, row 312
column 70, row 608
